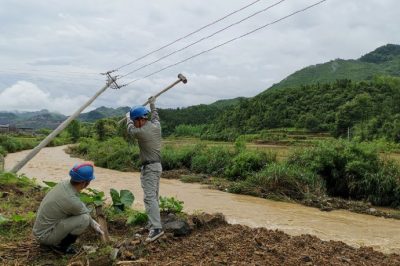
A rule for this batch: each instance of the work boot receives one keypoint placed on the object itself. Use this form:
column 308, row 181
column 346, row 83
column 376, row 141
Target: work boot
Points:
column 154, row 234
column 65, row 245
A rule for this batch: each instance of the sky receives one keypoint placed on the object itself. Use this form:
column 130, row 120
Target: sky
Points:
column 52, row 52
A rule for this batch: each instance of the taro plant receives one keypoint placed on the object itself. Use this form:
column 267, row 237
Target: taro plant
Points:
column 122, row 200
column 93, row 196
column 170, row 205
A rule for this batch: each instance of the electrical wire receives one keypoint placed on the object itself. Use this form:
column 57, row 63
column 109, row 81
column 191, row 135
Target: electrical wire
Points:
column 204, row 38
column 187, row 35
column 229, row 41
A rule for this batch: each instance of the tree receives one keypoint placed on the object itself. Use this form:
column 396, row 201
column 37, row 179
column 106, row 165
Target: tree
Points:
column 74, row 130
column 100, row 129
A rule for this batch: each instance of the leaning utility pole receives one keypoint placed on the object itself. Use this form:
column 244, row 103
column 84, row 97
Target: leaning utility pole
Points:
column 111, row 82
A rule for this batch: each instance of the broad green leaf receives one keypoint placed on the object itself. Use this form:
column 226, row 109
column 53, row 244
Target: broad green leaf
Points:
column 85, row 198
column 127, row 198
column 115, row 196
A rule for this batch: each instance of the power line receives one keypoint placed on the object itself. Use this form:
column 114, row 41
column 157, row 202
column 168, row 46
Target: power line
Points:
column 204, row 38
column 229, row 41
column 187, row 35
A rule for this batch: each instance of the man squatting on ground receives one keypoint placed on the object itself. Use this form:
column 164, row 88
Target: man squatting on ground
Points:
column 62, row 216
column 148, row 134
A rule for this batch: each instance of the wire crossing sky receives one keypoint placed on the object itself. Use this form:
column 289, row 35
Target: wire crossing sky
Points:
column 227, row 42
column 49, row 53
column 202, row 39
column 188, row 35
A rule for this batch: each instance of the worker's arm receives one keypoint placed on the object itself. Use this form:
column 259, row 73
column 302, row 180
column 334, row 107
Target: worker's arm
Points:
column 132, row 130
column 155, row 119
column 76, row 207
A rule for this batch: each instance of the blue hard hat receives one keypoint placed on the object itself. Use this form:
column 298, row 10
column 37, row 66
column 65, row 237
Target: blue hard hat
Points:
column 82, row 172
column 138, row 112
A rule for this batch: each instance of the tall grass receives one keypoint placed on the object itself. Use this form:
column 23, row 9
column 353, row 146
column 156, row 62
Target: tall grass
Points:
column 352, row 170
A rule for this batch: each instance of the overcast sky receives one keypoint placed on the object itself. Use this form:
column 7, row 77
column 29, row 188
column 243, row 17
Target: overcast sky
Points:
column 52, row 51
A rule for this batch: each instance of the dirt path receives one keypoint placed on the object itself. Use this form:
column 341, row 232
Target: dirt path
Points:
column 354, row 229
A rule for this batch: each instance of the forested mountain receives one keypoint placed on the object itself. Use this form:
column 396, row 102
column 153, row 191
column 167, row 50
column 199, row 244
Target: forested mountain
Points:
column 369, row 107
column 38, row 119
column 385, row 60
column 103, row 112
column 194, row 115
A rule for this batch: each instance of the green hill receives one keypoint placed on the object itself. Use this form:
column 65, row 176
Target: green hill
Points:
column 103, row 112
column 384, row 60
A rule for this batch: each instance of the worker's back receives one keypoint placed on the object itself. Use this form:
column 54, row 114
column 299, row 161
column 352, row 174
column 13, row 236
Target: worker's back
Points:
column 60, row 202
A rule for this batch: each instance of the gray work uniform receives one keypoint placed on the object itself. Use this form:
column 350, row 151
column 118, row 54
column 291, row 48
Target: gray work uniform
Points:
column 149, row 140
column 61, row 212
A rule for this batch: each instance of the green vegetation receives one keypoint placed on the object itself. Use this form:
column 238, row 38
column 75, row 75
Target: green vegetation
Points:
column 14, row 144
column 340, row 168
column 383, row 61
column 365, row 110
column 122, row 200
column 114, row 153
column 16, row 210
column 170, row 205
column 137, row 218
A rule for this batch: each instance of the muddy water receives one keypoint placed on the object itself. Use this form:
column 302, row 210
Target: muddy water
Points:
column 354, row 229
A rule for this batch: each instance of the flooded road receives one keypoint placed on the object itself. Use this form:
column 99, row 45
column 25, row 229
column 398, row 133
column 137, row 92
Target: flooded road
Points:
column 53, row 164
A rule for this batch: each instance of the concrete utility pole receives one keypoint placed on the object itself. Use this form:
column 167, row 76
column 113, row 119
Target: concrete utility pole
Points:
column 110, row 82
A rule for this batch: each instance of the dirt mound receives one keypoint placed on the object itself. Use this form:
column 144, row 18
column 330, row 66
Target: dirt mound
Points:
column 241, row 245
column 214, row 242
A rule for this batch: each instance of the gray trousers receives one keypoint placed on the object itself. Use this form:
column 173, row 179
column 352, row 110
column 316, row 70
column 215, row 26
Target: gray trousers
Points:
column 150, row 180
column 74, row 225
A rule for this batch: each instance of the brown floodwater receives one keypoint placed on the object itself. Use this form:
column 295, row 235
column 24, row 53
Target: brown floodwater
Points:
column 53, row 164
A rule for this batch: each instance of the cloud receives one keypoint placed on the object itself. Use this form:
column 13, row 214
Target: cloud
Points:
column 26, row 96
column 55, row 47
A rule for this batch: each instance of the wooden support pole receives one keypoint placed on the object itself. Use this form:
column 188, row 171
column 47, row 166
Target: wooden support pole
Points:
column 56, row 131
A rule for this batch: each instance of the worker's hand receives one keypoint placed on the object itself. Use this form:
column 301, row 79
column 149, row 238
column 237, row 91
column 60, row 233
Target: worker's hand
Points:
column 152, row 100
column 128, row 118
column 96, row 227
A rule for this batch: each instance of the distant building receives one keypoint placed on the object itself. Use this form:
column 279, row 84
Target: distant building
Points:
column 28, row 130
column 4, row 128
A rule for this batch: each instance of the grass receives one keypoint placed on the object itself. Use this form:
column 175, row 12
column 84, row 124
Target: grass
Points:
column 20, row 197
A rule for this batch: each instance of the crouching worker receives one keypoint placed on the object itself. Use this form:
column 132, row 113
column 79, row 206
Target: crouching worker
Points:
column 62, row 216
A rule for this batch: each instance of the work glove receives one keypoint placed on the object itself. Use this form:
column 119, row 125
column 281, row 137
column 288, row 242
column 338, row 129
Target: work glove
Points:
column 152, row 100
column 128, row 118
column 96, row 227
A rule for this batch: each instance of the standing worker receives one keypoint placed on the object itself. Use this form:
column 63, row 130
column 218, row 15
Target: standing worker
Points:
column 148, row 134
column 62, row 216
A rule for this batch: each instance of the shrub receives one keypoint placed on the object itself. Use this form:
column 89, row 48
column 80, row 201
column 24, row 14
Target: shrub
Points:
column 286, row 180
column 177, row 157
column 170, row 205
column 383, row 187
column 352, row 169
column 211, row 160
column 114, row 153
column 246, row 162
